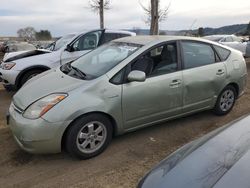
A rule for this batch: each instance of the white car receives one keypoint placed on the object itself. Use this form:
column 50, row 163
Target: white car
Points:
column 229, row 40
column 17, row 68
column 53, row 46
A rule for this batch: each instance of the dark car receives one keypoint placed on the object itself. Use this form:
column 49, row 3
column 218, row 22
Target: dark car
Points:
column 219, row 160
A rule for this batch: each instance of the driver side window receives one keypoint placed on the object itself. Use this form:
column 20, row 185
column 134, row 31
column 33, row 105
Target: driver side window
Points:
column 158, row 61
column 88, row 41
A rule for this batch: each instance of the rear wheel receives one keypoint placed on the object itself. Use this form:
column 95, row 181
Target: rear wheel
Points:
column 29, row 75
column 89, row 136
column 225, row 101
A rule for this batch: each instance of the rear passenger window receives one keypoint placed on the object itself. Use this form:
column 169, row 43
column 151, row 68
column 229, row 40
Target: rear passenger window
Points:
column 197, row 54
column 109, row 37
column 112, row 36
column 223, row 53
column 124, row 35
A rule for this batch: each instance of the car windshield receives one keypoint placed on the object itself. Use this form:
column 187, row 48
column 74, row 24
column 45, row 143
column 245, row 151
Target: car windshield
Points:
column 214, row 38
column 104, row 58
column 62, row 41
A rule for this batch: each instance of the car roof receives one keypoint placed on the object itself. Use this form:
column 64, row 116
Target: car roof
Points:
column 218, row 36
column 120, row 31
column 149, row 39
column 106, row 31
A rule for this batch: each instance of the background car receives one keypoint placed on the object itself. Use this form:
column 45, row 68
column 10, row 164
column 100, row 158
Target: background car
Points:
column 5, row 45
column 19, row 68
column 219, row 159
column 19, row 46
column 53, row 46
column 127, row 84
column 230, row 40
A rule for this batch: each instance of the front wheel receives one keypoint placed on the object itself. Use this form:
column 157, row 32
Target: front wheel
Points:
column 225, row 101
column 89, row 136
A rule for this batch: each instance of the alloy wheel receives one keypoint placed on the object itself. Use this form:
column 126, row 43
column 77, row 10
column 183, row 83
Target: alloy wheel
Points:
column 91, row 137
column 227, row 100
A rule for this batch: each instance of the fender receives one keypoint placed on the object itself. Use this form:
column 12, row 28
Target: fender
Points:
column 43, row 67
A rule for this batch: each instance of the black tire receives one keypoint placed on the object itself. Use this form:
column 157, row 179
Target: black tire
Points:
column 28, row 75
column 72, row 142
column 219, row 109
column 8, row 88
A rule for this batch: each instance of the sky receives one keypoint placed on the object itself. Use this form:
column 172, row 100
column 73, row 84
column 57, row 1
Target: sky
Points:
column 67, row 16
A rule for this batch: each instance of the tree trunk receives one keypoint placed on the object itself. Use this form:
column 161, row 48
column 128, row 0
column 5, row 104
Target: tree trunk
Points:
column 101, row 14
column 154, row 25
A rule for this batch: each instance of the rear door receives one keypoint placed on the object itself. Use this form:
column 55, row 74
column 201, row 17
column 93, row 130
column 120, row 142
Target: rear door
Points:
column 203, row 75
column 81, row 46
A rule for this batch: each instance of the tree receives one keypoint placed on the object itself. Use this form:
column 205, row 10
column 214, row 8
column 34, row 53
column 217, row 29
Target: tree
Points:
column 43, row 35
column 27, row 33
column 200, row 32
column 99, row 6
column 155, row 15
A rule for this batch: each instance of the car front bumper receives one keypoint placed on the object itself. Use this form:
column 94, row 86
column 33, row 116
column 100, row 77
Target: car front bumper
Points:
column 8, row 77
column 36, row 136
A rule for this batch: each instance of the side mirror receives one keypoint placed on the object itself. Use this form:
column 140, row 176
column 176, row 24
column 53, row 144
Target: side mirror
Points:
column 136, row 76
column 69, row 48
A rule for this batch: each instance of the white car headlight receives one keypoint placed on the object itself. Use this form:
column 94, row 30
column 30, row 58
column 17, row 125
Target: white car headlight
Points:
column 43, row 105
column 7, row 66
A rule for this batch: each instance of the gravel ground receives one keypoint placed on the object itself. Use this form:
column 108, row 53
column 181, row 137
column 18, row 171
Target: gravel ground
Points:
column 127, row 159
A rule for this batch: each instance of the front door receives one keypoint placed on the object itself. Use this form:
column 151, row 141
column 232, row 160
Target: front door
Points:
column 160, row 96
column 81, row 46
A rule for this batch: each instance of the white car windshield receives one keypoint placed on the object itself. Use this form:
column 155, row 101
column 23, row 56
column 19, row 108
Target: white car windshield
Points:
column 62, row 41
column 104, row 58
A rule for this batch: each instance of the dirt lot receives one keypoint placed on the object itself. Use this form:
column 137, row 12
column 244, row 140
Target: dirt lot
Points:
column 127, row 159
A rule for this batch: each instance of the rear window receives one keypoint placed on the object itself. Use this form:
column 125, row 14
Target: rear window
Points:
column 197, row 54
column 223, row 53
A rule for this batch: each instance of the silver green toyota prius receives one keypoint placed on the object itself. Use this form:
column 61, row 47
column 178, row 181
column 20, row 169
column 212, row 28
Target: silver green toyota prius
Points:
column 121, row 86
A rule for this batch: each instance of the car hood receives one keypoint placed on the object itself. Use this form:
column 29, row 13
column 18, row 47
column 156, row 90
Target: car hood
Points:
column 23, row 54
column 219, row 160
column 52, row 81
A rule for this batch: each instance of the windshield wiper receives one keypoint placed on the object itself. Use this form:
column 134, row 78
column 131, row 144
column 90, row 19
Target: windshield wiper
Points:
column 66, row 68
column 79, row 72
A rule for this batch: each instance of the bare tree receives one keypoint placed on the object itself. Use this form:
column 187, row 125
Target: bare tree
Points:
column 99, row 6
column 27, row 33
column 155, row 15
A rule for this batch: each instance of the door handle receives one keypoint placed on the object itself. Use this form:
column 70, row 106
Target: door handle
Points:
column 175, row 83
column 220, row 72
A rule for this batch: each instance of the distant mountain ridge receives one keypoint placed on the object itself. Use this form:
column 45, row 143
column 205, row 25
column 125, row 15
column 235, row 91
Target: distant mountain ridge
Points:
column 229, row 29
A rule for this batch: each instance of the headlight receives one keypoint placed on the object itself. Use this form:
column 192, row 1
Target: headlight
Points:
column 7, row 66
column 43, row 105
